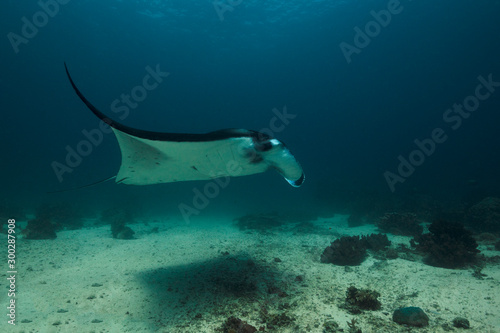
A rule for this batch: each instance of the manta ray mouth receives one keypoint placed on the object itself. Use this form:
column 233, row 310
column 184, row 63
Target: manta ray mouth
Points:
column 159, row 157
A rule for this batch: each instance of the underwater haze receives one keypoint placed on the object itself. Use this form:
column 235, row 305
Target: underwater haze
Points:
column 359, row 100
column 388, row 105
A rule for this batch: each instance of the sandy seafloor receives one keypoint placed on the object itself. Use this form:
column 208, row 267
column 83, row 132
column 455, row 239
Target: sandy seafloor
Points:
column 185, row 278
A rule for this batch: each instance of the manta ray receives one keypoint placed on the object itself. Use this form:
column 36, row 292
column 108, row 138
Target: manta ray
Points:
column 157, row 157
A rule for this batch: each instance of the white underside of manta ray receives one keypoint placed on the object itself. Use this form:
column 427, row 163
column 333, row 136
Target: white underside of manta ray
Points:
column 157, row 157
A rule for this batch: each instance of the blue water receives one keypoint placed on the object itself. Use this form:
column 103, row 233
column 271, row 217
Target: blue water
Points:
column 232, row 63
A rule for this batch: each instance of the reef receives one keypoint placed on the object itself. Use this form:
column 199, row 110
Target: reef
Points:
column 460, row 322
column 448, row 245
column 361, row 299
column 376, row 242
column 236, row 325
column 411, row 316
column 121, row 231
column 50, row 218
column 345, row 251
column 61, row 215
column 118, row 219
column 485, row 215
column 404, row 224
column 274, row 322
column 331, row 326
column 352, row 250
column 353, row 328
column 40, row 228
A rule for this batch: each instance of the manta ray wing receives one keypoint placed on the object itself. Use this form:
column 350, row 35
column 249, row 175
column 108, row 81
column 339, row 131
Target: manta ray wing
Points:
column 159, row 157
column 152, row 162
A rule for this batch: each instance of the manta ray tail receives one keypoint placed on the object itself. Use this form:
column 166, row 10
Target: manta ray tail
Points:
column 84, row 186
